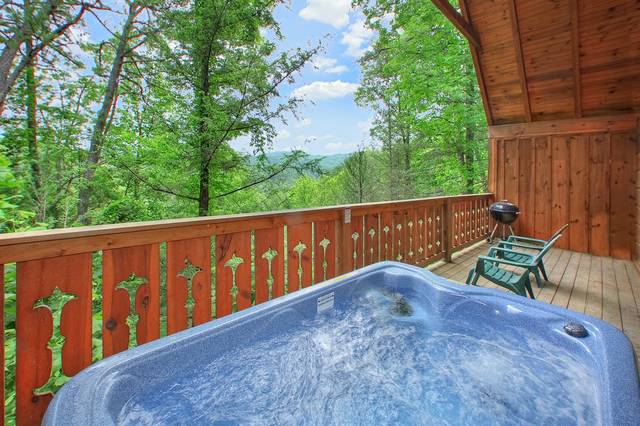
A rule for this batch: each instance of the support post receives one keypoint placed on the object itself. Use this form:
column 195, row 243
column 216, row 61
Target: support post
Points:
column 447, row 230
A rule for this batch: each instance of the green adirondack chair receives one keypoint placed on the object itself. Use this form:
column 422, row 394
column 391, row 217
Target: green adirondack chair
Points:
column 489, row 268
column 505, row 251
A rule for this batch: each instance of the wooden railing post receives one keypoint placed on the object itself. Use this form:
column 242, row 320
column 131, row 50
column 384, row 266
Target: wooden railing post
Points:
column 447, row 230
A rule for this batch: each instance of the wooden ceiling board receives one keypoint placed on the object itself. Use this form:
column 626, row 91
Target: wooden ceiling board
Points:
column 579, row 57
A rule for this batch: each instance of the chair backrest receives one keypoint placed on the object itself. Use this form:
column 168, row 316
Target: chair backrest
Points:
column 559, row 231
column 546, row 248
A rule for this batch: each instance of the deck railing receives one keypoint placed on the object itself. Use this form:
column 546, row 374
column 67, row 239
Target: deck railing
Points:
column 90, row 292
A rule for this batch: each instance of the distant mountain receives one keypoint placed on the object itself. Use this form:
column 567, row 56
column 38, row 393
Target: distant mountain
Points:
column 327, row 162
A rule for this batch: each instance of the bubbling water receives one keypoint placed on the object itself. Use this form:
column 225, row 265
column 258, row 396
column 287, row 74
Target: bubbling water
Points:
column 382, row 361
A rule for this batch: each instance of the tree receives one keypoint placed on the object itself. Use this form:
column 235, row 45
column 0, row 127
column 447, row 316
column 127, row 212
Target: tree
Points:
column 132, row 36
column 357, row 180
column 227, row 77
column 43, row 24
column 419, row 79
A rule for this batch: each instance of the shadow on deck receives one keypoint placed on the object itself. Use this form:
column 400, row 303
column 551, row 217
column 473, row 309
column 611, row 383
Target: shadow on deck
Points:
column 602, row 287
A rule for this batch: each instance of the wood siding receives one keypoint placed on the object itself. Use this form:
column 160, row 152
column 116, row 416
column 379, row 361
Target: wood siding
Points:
column 587, row 179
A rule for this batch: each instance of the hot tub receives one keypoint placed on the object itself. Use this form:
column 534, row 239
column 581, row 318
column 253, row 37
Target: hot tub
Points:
column 390, row 343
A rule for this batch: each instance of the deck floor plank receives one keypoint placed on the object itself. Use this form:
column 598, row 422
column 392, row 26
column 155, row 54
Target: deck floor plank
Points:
column 602, row 287
column 610, row 301
column 594, row 289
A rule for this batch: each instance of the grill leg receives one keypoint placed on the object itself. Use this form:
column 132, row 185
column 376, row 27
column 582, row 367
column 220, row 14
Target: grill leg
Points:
column 511, row 230
column 490, row 239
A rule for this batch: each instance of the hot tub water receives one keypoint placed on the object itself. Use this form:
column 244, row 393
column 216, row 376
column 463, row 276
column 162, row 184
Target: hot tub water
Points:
column 385, row 357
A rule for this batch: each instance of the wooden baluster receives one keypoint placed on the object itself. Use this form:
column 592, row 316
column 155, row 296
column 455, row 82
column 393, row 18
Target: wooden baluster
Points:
column 299, row 261
column 64, row 284
column 325, row 250
column 432, row 232
column 188, row 283
column 411, row 235
column 386, row 236
column 340, row 231
column 354, row 241
column 269, row 256
column 372, row 239
column 130, row 296
column 421, row 233
column 399, row 231
column 467, row 221
column 233, row 272
column 472, row 206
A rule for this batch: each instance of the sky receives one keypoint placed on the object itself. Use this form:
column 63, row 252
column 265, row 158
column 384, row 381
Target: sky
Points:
column 329, row 120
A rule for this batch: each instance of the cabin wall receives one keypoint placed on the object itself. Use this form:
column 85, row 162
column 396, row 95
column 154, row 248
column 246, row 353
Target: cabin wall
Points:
column 580, row 171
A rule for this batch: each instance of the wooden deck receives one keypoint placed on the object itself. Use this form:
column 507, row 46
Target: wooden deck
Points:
column 602, row 287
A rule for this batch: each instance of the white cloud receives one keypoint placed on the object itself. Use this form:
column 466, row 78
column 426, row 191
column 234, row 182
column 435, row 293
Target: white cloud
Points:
column 319, row 90
column 332, row 12
column 357, row 38
column 338, row 69
column 303, row 123
column 322, row 62
column 283, row 134
column 328, row 65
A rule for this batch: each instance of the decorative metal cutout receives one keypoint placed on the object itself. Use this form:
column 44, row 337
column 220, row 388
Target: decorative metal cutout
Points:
column 355, row 237
column 188, row 273
column 386, row 241
column 399, row 256
column 269, row 255
column 55, row 302
column 234, row 263
column 372, row 234
column 421, row 236
column 325, row 264
column 131, row 286
column 410, row 225
column 299, row 249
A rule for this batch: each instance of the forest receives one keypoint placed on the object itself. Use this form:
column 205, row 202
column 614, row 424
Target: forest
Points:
column 143, row 131
column 142, row 124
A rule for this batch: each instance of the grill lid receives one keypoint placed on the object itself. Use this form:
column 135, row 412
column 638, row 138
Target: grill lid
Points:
column 504, row 212
column 504, row 207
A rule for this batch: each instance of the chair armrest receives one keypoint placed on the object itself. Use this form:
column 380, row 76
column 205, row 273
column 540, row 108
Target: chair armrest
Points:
column 526, row 239
column 505, row 250
column 526, row 246
column 503, row 261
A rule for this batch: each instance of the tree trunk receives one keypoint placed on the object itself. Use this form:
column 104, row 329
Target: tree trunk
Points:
column 206, row 148
column 205, row 145
column 8, row 77
column 32, row 133
column 469, row 160
column 6, row 62
column 99, row 129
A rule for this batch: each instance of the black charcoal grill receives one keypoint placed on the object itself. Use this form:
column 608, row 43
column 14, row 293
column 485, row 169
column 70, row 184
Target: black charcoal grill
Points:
column 504, row 213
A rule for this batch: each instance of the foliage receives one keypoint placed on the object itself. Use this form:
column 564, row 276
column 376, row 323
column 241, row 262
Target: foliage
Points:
column 419, row 80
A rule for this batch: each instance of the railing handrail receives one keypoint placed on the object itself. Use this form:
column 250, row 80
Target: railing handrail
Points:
column 29, row 245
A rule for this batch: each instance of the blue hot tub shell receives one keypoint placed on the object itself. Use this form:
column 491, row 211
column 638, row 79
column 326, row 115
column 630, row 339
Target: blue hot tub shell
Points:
column 98, row 394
